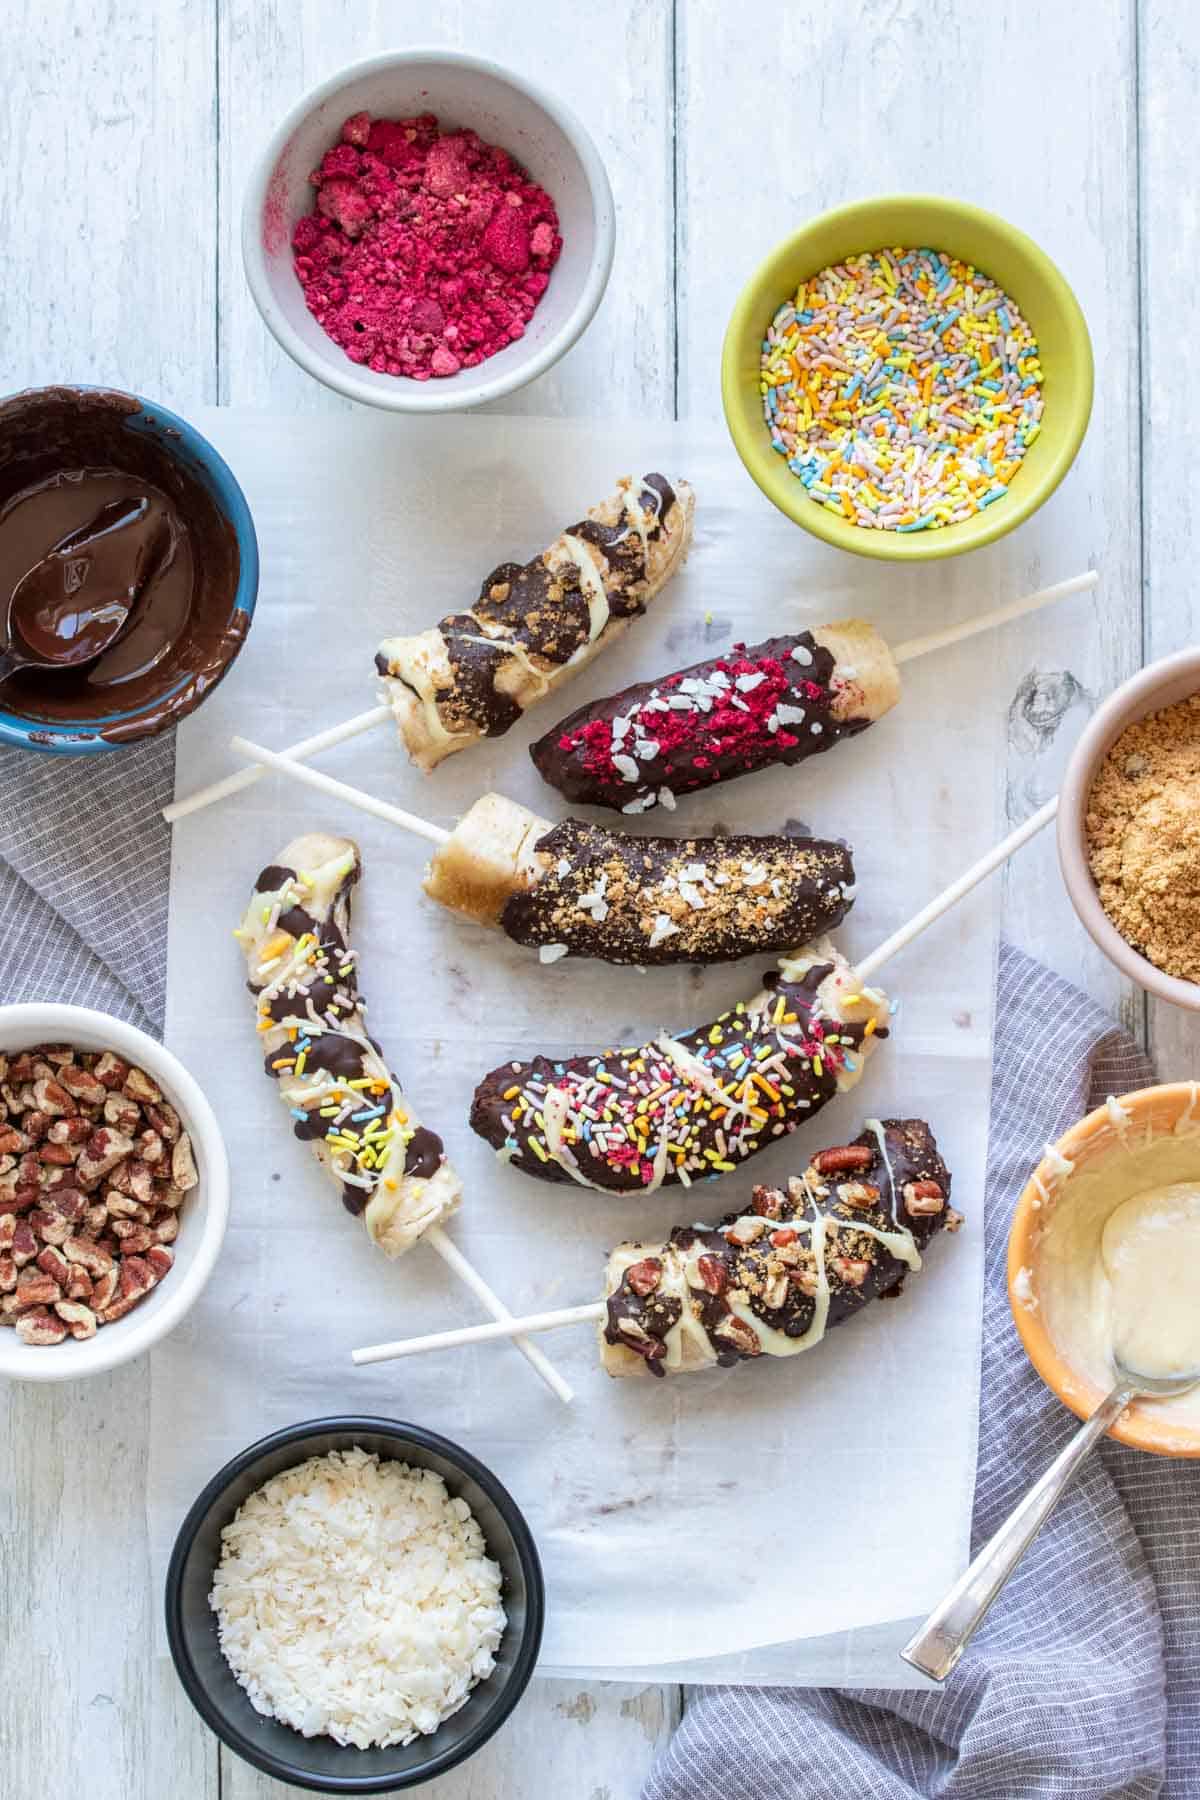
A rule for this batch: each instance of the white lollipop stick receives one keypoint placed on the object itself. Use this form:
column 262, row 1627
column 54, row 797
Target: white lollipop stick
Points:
column 340, row 790
column 999, row 615
column 366, row 721
column 244, row 778
column 955, row 892
column 454, row 1259
column 480, row 1334
column 577, row 1315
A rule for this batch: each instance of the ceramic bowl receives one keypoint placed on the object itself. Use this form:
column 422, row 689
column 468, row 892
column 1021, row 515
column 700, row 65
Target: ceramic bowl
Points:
column 203, row 486
column 975, row 236
column 1161, row 684
column 202, row 1219
column 463, row 91
column 318, row 1763
column 1152, row 1115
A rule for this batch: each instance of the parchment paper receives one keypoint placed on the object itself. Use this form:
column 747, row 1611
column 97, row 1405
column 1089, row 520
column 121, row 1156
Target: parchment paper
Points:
column 677, row 1520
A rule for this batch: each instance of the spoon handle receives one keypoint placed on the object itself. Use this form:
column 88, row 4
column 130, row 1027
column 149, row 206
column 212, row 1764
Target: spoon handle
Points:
column 937, row 1646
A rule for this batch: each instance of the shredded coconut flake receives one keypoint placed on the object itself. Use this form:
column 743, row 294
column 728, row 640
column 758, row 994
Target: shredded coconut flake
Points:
column 355, row 1600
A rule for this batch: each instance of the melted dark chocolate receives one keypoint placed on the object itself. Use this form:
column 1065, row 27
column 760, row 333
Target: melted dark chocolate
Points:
column 544, row 612
column 425, row 1153
column 812, row 1078
column 567, row 756
column 67, row 456
column 805, row 895
column 756, row 1269
column 272, row 878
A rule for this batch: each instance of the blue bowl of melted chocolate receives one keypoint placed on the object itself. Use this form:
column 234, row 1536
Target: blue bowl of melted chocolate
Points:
column 128, row 569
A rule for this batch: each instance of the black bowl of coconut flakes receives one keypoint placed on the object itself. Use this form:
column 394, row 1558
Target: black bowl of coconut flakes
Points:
column 354, row 1605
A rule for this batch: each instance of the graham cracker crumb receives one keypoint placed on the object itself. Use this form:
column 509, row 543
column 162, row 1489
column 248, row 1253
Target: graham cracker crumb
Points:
column 1143, row 837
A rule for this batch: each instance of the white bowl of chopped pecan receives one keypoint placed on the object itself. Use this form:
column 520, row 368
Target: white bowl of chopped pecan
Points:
column 114, row 1191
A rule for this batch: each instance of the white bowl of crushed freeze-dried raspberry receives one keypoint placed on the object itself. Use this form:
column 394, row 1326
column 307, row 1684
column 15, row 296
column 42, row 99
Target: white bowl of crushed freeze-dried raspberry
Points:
column 114, row 1192
column 425, row 231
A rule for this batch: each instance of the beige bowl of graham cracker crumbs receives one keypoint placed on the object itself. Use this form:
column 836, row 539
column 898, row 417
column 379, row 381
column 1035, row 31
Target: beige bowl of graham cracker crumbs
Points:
column 1129, row 828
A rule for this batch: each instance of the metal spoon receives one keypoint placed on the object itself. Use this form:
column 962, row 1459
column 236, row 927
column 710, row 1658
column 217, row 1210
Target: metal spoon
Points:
column 75, row 631
column 937, row 1646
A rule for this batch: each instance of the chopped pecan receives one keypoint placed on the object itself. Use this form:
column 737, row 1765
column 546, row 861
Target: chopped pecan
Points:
column 853, row 1270
column 743, row 1338
column 139, row 1087
column 89, row 1256
column 132, row 1237
column 104, row 1290
column 60, row 1155
column 40, row 1327
column 140, row 1180
column 713, row 1273
column 744, row 1231
column 24, row 1244
column 70, row 1131
column 135, row 1277
column 65, row 1203
column 36, row 1289
column 50, row 1096
column 82, row 1085
column 151, row 1148
column 111, row 1070
column 767, row 1202
column 72, row 1123
column 183, row 1164
column 775, row 1291
column 78, row 1285
column 161, row 1260
column 165, row 1120
column 122, row 1206
column 52, row 1262
column 121, row 1113
column 79, row 1319
column 843, row 1159
column 806, row 1279
column 49, row 1229
column 101, row 1154
column 643, row 1277
column 922, row 1198
column 858, row 1193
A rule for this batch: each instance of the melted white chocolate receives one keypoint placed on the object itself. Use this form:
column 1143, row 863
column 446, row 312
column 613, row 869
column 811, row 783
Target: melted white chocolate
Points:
column 1150, row 1250
column 1115, row 1264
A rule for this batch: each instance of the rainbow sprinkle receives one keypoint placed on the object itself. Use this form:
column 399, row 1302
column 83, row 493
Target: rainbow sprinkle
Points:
column 903, row 388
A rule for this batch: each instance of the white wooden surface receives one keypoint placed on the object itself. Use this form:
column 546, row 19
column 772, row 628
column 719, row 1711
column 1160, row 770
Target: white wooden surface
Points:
column 127, row 134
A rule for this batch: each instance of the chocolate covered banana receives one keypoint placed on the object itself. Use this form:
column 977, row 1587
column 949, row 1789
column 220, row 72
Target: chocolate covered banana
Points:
column 535, row 625
column 345, row 1103
column 581, row 890
column 679, row 1109
column 773, row 1280
column 760, row 704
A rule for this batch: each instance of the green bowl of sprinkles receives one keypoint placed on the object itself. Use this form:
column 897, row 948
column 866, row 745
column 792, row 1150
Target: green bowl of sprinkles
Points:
column 908, row 377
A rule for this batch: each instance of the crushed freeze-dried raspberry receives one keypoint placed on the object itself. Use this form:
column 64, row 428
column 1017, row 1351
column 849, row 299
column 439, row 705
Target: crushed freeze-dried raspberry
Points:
column 426, row 253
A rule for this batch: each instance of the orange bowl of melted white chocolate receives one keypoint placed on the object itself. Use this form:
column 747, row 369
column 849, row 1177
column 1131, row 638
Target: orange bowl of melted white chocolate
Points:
column 1104, row 1253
